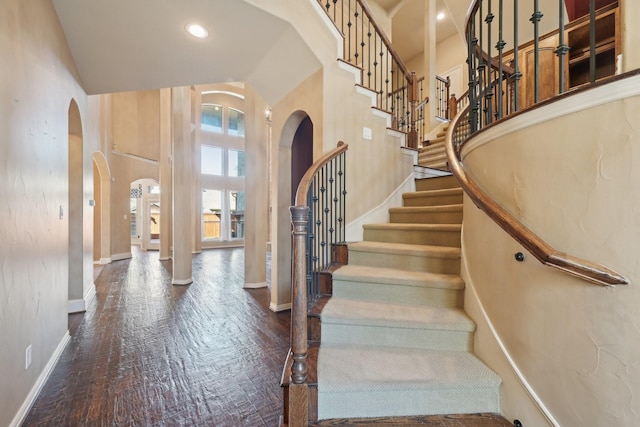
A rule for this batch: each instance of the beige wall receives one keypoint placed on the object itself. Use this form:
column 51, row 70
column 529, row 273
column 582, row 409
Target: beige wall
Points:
column 305, row 100
column 133, row 153
column 572, row 180
column 38, row 84
column 375, row 168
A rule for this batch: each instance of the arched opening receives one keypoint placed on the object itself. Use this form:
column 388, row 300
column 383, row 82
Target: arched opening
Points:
column 75, row 214
column 293, row 162
column 101, row 210
column 301, row 154
column 145, row 214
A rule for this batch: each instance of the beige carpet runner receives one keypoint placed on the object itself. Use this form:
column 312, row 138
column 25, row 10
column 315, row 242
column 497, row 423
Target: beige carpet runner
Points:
column 395, row 340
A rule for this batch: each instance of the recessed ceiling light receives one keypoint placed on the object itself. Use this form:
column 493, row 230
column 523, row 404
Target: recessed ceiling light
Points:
column 197, row 30
column 440, row 16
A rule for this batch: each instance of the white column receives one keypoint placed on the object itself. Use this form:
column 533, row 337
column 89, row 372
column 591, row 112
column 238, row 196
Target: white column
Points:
column 256, row 215
column 182, row 180
column 630, row 35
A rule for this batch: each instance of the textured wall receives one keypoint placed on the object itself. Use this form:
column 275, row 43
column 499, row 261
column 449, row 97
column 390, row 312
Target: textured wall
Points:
column 572, row 180
column 38, row 84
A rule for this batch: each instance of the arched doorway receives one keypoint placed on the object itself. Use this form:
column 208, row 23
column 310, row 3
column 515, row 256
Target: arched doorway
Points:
column 145, row 214
column 301, row 154
column 75, row 214
column 295, row 155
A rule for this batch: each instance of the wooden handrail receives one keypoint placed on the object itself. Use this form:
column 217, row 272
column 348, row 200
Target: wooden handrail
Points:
column 307, row 178
column 541, row 250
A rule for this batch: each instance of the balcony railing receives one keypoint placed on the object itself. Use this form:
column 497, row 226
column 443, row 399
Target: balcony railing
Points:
column 501, row 83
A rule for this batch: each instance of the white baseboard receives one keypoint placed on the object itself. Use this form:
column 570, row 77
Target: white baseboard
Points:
column 165, row 258
column 105, row 261
column 90, row 295
column 118, row 257
column 80, row 305
column 182, row 281
column 279, row 307
column 255, row 285
column 42, row 379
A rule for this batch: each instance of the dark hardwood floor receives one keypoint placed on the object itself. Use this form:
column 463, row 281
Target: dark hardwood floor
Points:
column 147, row 353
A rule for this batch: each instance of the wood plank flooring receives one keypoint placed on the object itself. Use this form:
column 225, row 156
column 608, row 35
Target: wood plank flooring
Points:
column 148, row 353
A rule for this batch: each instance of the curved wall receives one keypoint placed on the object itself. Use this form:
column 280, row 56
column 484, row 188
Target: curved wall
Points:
column 572, row 178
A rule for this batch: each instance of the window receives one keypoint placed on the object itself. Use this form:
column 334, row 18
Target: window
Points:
column 211, row 160
column 236, row 163
column 236, row 122
column 236, row 211
column 211, row 213
column 212, row 118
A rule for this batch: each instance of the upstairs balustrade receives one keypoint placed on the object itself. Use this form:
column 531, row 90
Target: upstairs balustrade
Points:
column 520, row 55
column 503, row 82
column 398, row 91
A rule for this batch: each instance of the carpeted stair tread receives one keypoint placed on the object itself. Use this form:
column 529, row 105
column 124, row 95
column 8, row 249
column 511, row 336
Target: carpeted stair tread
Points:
column 412, row 227
column 440, row 208
column 432, row 193
column 358, row 381
column 406, row 249
column 393, row 276
column 414, row 233
column 440, row 182
column 442, row 214
column 345, row 311
column 365, row 368
column 432, row 157
column 412, row 257
column 432, row 148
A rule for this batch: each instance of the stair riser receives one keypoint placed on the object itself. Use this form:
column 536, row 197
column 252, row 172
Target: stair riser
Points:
column 408, row 262
column 416, row 237
column 425, row 339
column 451, row 217
column 443, row 166
column 436, row 183
column 434, row 297
column 431, row 200
column 432, row 150
column 432, row 156
column 376, row 403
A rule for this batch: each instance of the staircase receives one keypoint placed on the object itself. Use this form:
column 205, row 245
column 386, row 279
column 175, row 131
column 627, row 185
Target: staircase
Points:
column 395, row 341
column 432, row 154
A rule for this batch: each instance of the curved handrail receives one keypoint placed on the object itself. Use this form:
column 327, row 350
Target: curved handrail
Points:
column 307, row 178
column 541, row 250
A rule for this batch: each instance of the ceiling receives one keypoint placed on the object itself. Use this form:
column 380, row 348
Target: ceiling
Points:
column 408, row 37
column 122, row 45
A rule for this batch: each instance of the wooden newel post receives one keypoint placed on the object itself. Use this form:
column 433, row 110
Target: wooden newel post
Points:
column 298, row 388
column 413, row 101
column 453, row 106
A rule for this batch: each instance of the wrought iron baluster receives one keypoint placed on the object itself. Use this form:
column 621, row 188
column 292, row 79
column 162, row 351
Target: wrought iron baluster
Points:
column 500, row 46
column 562, row 48
column 348, row 38
column 516, row 75
column 592, row 41
column 369, row 55
column 490, row 71
column 535, row 19
column 356, row 15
